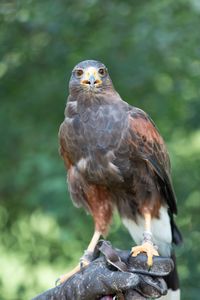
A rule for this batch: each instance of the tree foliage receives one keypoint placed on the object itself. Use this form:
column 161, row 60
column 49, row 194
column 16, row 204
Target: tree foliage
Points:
column 152, row 52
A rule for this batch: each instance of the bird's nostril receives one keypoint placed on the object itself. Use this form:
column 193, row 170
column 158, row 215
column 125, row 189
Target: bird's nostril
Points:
column 86, row 82
column 97, row 81
column 91, row 82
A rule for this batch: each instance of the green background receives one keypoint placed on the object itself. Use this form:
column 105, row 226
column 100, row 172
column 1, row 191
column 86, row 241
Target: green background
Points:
column 152, row 51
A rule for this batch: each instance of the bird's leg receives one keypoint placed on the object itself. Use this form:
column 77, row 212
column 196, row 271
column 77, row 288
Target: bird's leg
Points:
column 84, row 260
column 147, row 244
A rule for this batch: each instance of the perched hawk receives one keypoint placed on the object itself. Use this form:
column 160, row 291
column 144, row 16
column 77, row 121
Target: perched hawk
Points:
column 116, row 158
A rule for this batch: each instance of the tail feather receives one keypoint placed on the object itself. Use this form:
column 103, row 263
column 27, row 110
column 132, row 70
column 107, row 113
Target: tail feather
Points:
column 177, row 238
column 176, row 235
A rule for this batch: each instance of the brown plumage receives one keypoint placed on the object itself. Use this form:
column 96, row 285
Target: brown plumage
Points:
column 115, row 156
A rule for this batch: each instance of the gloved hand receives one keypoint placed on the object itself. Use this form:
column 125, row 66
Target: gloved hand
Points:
column 114, row 274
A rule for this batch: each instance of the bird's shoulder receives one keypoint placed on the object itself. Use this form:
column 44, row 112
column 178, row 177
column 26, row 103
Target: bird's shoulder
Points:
column 142, row 127
column 140, row 121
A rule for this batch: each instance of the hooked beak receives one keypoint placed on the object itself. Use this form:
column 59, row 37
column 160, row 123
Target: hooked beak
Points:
column 91, row 78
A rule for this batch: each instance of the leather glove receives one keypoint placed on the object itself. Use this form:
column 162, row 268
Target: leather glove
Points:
column 115, row 275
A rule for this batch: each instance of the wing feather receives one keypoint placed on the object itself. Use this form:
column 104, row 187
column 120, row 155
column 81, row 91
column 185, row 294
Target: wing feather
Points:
column 151, row 148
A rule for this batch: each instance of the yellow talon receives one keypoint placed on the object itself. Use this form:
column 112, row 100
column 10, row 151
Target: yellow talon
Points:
column 147, row 248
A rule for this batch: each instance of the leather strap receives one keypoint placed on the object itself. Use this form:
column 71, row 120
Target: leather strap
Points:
column 111, row 256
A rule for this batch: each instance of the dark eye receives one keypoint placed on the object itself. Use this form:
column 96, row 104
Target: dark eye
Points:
column 78, row 72
column 102, row 71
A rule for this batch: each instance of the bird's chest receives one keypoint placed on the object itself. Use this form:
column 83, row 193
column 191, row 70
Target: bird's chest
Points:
column 93, row 135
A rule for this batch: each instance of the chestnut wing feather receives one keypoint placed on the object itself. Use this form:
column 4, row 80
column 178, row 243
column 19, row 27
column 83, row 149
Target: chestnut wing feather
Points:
column 151, row 148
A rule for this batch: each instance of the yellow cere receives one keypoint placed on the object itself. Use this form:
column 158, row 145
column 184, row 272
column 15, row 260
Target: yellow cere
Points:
column 91, row 71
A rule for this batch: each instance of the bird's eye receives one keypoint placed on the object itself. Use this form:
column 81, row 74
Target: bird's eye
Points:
column 102, row 71
column 79, row 73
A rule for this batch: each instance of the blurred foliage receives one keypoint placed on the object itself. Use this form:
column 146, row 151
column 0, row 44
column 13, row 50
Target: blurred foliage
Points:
column 152, row 49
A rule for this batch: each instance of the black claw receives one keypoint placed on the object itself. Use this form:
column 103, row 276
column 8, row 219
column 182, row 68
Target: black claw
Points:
column 81, row 266
column 149, row 268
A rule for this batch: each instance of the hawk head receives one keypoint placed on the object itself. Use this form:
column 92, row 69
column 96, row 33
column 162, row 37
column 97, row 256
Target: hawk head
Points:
column 89, row 76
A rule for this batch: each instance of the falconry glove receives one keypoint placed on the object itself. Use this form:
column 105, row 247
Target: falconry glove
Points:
column 115, row 275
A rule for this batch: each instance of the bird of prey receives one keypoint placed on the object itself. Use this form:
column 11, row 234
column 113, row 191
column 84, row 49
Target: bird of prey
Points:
column 116, row 158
